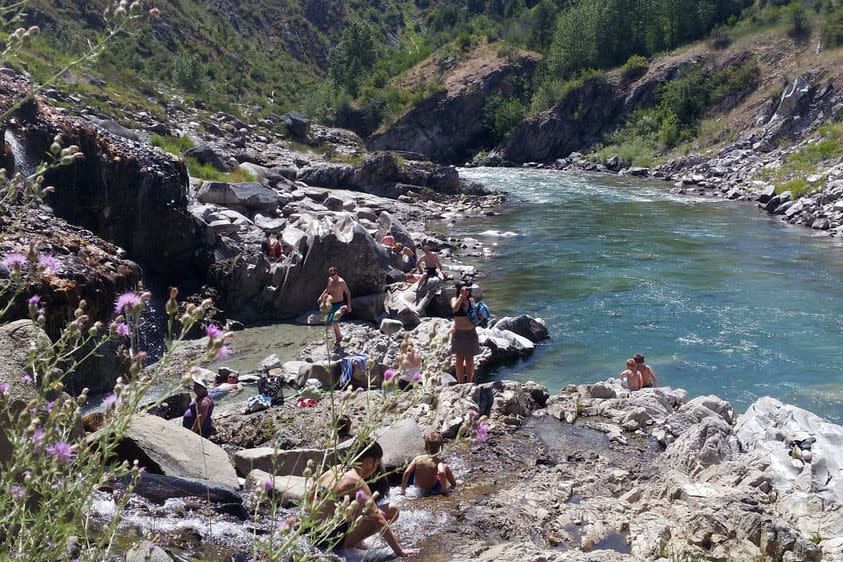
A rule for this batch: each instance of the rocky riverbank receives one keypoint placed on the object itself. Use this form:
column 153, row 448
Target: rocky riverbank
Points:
column 592, row 473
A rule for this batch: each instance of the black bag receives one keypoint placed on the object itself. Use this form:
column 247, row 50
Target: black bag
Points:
column 273, row 388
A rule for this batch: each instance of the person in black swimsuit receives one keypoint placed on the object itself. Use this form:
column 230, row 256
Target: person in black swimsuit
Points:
column 465, row 343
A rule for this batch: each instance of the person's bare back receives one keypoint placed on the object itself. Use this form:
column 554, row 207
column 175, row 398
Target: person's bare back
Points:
column 428, row 472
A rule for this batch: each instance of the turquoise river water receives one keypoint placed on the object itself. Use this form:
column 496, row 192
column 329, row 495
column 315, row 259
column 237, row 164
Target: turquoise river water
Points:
column 718, row 296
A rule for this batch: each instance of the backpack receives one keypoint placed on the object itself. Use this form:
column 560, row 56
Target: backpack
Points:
column 479, row 314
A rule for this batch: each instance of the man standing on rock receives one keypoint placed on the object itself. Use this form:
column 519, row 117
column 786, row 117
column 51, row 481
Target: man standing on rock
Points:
column 648, row 377
column 338, row 296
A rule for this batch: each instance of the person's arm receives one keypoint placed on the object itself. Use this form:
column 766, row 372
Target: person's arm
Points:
column 457, row 302
column 405, row 480
column 347, row 292
column 653, row 376
column 201, row 415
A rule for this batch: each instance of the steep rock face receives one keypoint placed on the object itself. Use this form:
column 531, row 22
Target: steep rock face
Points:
column 126, row 192
column 450, row 125
column 253, row 288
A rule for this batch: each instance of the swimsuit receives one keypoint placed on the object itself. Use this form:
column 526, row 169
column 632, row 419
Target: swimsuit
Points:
column 329, row 319
column 190, row 414
column 335, row 538
column 431, row 271
column 435, row 491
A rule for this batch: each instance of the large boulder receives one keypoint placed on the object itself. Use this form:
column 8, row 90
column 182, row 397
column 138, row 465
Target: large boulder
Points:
column 706, row 443
column 534, row 329
column 277, row 461
column 207, row 155
column 288, row 490
column 776, row 430
column 401, row 442
column 251, row 196
column 165, row 447
column 146, row 551
column 252, row 288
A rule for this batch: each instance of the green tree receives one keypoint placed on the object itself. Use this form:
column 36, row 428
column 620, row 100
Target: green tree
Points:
column 351, row 61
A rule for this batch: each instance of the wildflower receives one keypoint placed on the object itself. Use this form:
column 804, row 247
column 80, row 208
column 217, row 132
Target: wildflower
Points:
column 223, row 353
column 267, row 486
column 127, row 302
column 213, row 331
column 37, row 436
column 154, row 12
column 14, row 260
column 62, row 451
column 16, row 491
column 123, row 330
column 389, row 374
column 111, row 401
column 417, row 376
column 34, row 300
column 26, row 379
column 481, row 432
column 48, row 263
column 472, row 414
column 4, row 388
column 360, row 496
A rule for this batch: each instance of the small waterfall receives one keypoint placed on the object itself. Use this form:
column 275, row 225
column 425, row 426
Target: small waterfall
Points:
column 23, row 163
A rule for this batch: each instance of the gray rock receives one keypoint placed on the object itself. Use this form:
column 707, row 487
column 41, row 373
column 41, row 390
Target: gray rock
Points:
column 146, row 551
column 288, row 490
column 165, row 447
column 401, row 442
column 704, row 444
column 389, row 326
column 367, row 307
column 276, row 461
column 534, row 329
column 206, row 154
column 271, row 362
column 251, row 196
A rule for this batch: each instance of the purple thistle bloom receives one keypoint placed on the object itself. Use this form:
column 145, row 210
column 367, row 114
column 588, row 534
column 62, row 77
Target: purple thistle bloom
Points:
column 212, row 331
column 15, row 259
column 62, row 451
column 37, row 436
column 481, row 433
column 360, row 496
column 111, row 401
column 4, row 388
column 389, row 374
column 223, row 353
column 26, row 379
column 34, row 300
column 16, row 491
column 48, row 262
column 126, row 301
column 417, row 376
column 267, row 485
column 123, row 330
column 472, row 414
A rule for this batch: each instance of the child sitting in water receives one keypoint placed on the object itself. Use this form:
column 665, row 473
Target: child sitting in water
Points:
column 428, row 472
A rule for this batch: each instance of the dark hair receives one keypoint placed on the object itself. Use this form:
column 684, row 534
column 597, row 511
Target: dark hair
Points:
column 638, row 358
column 343, row 425
column 373, row 451
column 267, row 233
column 220, row 378
column 433, row 442
column 332, row 267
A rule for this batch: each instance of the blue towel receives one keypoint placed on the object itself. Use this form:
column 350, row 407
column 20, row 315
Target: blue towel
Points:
column 347, row 366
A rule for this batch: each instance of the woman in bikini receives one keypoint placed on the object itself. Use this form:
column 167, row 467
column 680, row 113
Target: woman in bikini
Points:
column 464, row 341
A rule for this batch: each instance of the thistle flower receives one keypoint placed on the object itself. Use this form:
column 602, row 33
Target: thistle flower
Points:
column 14, row 260
column 26, row 379
column 37, row 436
column 389, row 374
column 223, row 353
column 17, row 491
column 360, row 496
column 472, row 414
column 213, row 331
column 48, row 263
column 267, row 486
column 34, row 300
column 123, row 330
column 111, row 401
column 4, row 388
column 62, row 451
column 481, row 432
column 127, row 302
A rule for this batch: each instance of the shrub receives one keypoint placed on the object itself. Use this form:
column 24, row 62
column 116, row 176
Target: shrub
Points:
column 796, row 17
column 719, row 39
column 634, row 68
column 188, row 72
column 502, row 115
column 832, row 29
column 173, row 145
column 797, row 187
column 209, row 173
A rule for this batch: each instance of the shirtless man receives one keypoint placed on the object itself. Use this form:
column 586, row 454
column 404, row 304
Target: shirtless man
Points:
column 430, row 266
column 337, row 289
column 388, row 239
column 630, row 377
column 428, row 472
column 340, row 482
column 409, row 363
column 648, row 377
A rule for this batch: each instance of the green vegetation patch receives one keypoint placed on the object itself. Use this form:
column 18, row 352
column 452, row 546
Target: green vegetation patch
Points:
column 173, row 145
column 209, row 173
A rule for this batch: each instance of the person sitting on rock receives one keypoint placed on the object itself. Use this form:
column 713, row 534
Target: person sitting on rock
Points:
column 428, row 472
column 388, row 239
column 365, row 518
column 198, row 416
column 409, row 364
column 630, row 378
column 648, row 377
column 266, row 244
column 340, row 300
column 276, row 249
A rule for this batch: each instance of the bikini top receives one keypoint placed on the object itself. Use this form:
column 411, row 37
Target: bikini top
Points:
column 463, row 311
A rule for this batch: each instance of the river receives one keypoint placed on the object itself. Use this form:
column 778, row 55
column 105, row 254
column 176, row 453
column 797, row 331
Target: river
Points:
column 718, row 296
